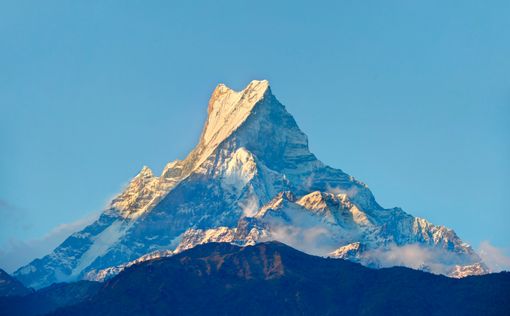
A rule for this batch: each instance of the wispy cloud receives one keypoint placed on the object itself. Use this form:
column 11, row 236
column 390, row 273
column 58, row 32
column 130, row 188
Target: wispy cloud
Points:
column 497, row 259
column 304, row 231
column 352, row 191
column 315, row 240
column 16, row 253
column 250, row 205
column 413, row 256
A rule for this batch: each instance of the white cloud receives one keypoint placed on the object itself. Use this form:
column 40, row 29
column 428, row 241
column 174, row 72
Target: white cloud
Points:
column 408, row 255
column 16, row 253
column 350, row 192
column 312, row 240
column 250, row 206
column 308, row 182
column 495, row 258
column 303, row 231
column 414, row 256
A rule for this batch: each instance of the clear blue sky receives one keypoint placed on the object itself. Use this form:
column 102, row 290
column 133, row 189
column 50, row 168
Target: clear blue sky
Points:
column 411, row 97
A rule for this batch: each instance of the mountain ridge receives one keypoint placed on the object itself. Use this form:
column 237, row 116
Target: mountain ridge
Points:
column 265, row 278
column 251, row 151
column 271, row 277
column 10, row 286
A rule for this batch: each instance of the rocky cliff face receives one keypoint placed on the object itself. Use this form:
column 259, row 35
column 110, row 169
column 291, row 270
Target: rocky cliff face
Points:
column 251, row 178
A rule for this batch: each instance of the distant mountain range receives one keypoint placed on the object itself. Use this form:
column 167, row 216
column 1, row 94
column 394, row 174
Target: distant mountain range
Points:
column 266, row 279
column 250, row 179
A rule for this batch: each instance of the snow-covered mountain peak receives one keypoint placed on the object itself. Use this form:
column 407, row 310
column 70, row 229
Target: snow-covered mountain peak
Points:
column 250, row 178
column 280, row 200
column 258, row 87
column 228, row 109
column 319, row 200
column 145, row 172
column 172, row 169
column 145, row 190
column 137, row 195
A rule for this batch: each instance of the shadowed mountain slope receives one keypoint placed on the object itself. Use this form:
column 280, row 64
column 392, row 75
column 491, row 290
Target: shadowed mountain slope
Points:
column 10, row 286
column 272, row 278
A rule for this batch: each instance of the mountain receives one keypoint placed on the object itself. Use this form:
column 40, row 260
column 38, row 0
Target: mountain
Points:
column 48, row 299
column 274, row 279
column 251, row 178
column 9, row 286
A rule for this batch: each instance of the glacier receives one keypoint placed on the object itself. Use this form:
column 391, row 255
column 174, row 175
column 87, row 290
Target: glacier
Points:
column 251, row 178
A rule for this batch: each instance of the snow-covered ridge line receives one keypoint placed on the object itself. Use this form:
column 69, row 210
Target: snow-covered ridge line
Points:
column 251, row 178
column 340, row 222
column 227, row 110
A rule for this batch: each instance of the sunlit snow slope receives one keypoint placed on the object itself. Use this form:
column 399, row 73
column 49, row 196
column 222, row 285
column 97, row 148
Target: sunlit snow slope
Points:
column 251, row 178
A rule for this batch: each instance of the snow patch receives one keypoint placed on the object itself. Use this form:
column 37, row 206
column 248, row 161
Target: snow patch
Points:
column 102, row 242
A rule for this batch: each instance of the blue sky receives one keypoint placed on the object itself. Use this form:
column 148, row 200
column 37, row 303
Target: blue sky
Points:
column 411, row 97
